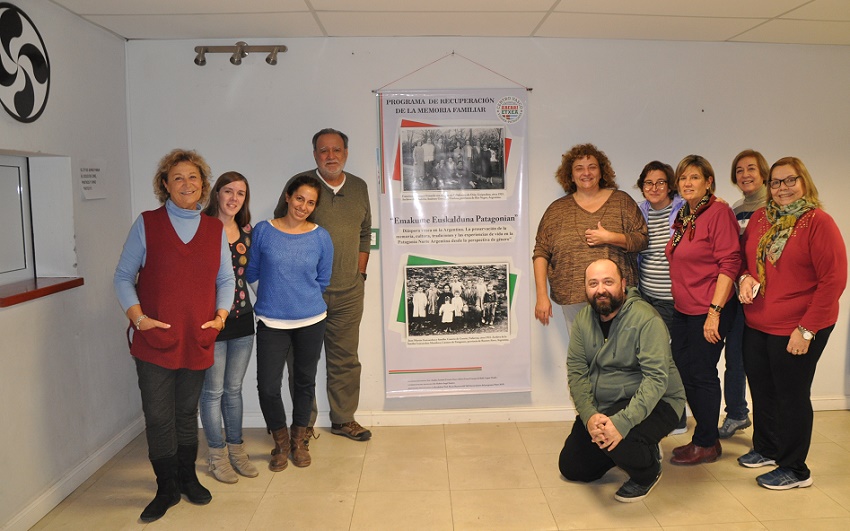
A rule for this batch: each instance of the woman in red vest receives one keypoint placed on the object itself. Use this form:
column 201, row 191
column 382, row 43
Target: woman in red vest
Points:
column 176, row 309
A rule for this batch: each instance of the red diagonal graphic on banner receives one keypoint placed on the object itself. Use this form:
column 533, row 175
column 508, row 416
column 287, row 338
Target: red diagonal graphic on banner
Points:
column 397, row 165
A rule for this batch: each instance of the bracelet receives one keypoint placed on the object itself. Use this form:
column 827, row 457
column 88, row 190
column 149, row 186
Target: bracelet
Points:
column 139, row 320
column 742, row 277
column 715, row 307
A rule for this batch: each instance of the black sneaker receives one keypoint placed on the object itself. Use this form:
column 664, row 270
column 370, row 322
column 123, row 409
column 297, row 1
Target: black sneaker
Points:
column 632, row 492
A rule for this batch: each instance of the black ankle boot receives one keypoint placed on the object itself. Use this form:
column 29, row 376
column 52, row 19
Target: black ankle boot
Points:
column 186, row 477
column 167, row 491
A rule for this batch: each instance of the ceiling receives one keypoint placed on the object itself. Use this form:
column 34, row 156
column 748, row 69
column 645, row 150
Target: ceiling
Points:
column 765, row 21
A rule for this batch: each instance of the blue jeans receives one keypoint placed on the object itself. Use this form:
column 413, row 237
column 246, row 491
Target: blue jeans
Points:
column 224, row 379
column 734, row 378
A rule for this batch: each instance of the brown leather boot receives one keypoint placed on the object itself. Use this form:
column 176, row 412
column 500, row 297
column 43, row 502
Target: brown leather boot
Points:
column 300, row 451
column 280, row 454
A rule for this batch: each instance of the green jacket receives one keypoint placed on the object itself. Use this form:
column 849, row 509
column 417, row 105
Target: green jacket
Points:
column 634, row 363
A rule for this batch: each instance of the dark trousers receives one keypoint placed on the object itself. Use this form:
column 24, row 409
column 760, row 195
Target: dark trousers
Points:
column 170, row 404
column 697, row 360
column 667, row 310
column 781, row 384
column 734, row 378
column 272, row 347
column 582, row 460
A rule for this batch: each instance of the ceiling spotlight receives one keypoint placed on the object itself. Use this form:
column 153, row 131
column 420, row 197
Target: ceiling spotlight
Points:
column 201, row 58
column 240, row 52
column 272, row 58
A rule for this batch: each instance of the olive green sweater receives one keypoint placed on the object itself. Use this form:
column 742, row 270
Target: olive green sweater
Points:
column 634, row 363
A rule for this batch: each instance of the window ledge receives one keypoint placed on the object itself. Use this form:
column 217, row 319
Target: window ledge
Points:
column 27, row 290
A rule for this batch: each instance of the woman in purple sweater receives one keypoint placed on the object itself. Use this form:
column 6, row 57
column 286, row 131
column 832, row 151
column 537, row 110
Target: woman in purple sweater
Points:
column 289, row 269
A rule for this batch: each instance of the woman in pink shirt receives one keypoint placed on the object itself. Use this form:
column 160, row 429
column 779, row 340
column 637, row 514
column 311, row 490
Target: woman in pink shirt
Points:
column 705, row 257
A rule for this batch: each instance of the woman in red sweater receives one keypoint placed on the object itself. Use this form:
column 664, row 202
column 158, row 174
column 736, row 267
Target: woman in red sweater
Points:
column 705, row 256
column 795, row 269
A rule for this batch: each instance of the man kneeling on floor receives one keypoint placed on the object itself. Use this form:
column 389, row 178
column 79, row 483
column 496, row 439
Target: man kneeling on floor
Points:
column 626, row 389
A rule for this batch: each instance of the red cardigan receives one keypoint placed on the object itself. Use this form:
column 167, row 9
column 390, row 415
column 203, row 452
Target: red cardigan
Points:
column 804, row 285
column 695, row 264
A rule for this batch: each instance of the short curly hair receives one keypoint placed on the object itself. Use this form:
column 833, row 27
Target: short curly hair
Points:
column 175, row 157
column 564, row 175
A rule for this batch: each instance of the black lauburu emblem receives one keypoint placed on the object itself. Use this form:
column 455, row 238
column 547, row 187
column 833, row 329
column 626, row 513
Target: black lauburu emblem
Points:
column 24, row 66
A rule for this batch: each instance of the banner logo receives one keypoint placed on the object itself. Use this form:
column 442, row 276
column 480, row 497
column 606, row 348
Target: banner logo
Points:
column 509, row 109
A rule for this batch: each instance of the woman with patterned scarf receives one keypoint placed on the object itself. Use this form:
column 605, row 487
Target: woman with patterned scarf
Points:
column 705, row 257
column 795, row 269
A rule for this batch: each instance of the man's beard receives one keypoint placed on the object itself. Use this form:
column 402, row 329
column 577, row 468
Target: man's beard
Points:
column 606, row 307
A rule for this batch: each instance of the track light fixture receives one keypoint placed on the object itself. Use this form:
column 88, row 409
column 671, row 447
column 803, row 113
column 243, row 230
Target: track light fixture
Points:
column 272, row 58
column 238, row 51
column 201, row 58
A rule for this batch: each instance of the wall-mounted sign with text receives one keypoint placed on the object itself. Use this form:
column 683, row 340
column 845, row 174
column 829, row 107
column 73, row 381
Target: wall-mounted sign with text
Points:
column 92, row 181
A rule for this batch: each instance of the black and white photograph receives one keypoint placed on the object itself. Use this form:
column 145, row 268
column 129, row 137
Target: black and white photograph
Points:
column 457, row 300
column 452, row 158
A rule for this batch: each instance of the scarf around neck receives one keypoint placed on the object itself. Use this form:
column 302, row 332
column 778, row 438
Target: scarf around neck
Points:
column 687, row 220
column 782, row 221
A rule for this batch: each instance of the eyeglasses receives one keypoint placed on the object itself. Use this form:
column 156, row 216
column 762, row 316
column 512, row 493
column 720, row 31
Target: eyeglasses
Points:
column 789, row 181
column 649, row 185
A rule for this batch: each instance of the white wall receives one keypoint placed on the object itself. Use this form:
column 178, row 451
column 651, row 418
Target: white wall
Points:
column 638, row 101
column 68, row 398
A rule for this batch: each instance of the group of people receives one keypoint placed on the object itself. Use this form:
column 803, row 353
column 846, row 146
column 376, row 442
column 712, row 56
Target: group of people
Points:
column 454, row 164
column 182, row 281
column 461, row 305
column 669, row 282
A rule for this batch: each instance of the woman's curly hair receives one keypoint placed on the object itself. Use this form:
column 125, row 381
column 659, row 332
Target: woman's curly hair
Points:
column 174, row 158
column 564, row 175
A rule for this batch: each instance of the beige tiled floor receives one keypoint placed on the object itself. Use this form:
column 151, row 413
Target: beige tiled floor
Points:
column 470, row 477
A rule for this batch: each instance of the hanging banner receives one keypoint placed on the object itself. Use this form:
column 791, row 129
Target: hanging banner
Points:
column 455, row 255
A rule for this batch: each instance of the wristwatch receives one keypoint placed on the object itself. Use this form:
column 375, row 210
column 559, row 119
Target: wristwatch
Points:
column 808, row 335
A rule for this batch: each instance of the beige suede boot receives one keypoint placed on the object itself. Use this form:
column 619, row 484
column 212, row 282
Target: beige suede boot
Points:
column 239, row 460
column 220, row 466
